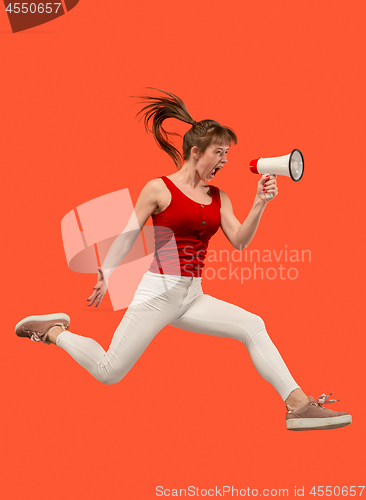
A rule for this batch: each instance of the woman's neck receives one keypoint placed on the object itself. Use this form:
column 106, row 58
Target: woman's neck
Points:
column 188, row 174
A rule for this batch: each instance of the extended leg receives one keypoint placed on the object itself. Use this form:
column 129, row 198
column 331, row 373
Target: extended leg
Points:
column 212, row 316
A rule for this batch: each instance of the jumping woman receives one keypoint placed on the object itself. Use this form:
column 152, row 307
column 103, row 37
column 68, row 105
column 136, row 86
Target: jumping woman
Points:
column 186, row 211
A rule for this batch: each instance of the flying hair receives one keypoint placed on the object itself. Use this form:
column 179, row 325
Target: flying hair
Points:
column 202, row 134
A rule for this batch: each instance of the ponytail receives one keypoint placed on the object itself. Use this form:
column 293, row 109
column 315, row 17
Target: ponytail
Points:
column 202, row 133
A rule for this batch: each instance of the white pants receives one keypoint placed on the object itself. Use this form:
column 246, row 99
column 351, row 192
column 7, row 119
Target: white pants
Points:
column 179, row 301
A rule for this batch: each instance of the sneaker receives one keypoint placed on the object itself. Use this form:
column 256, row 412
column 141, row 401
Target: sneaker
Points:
column 314, row 416
column 36, row 327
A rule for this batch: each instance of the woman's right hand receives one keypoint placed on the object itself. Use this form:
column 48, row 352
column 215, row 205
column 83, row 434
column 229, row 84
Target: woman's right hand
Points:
column 99, row 289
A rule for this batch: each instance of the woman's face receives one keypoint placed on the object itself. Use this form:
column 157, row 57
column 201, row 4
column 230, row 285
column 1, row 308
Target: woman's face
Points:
column 211, row 161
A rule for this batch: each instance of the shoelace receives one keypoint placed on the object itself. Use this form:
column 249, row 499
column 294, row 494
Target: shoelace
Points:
column 34, row 336
column 37, row 336
column 323, row 399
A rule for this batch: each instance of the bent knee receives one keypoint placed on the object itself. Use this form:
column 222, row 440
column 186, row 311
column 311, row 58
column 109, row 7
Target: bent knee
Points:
column 109, row 378
column 256, row 324
column 252, row 327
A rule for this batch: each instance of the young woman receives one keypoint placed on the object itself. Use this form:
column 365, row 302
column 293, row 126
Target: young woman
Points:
column 186, row 211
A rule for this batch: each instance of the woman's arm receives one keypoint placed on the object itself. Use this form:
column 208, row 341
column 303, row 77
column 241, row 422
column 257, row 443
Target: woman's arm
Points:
column 146, row 204
column 240, row 235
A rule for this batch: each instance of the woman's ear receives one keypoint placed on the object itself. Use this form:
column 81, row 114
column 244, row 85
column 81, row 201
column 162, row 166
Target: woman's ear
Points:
column 195, row 152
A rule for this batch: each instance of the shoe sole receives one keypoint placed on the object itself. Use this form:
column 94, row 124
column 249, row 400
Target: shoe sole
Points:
column 43, row 317
column 313, row 424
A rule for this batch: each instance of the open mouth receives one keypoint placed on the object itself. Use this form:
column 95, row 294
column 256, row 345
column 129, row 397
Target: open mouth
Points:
column 214, row 172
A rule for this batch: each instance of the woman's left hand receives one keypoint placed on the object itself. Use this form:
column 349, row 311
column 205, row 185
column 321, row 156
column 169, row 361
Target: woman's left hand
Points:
column 267, row 185
column 100, row 289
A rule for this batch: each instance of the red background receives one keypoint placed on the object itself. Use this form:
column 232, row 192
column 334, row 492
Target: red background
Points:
column 193, row 411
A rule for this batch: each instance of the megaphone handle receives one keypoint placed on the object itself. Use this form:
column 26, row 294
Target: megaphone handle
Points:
column 269, row 196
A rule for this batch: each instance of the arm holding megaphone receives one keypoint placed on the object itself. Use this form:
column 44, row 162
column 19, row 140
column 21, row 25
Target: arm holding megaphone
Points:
column 267, row 187
column 241, row 234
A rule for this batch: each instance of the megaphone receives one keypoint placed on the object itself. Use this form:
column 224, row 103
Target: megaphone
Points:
column 291, row 165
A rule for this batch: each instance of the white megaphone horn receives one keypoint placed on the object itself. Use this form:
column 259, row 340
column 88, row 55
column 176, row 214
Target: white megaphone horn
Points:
column 291, row 165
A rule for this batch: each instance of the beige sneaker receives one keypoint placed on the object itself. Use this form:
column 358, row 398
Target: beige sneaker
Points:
column 314, row 416
column 36, row 327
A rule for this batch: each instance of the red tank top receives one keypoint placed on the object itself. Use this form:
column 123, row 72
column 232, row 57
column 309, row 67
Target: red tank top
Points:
column 182, row 232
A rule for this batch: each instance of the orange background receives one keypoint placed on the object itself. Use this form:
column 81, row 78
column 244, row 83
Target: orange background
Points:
column 193, row 411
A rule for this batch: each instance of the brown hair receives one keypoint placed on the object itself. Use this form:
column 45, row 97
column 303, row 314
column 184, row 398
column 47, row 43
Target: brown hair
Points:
column 202, row 134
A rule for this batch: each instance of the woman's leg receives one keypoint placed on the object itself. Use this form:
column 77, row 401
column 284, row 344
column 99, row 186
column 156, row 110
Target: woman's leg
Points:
column 206, row 314
column 135, row 332
column 156, row 303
